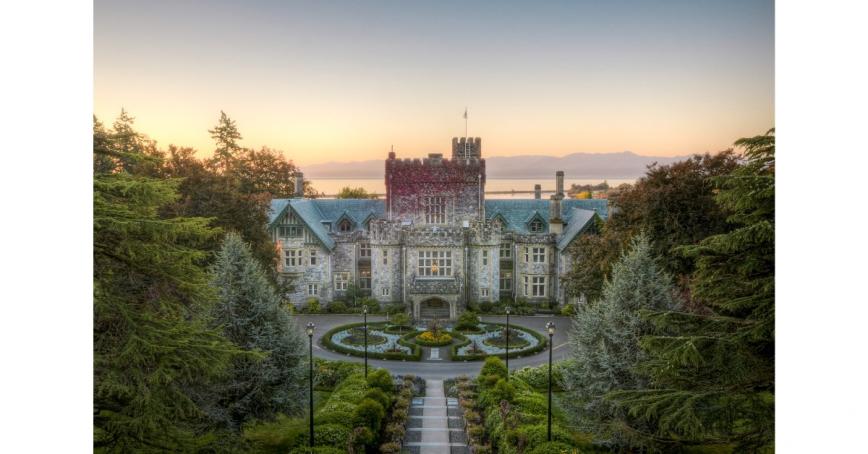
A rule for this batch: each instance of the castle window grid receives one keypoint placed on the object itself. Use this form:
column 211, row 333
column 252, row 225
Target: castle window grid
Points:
column 506, row 281
column 312, row 289
column 535, row 286
column 483, row 292
column 536, row 226
column 345, row 226
column 435, row 210
column 292, row 257
column 291, row 231
column 385, row 257
column 365, row 250
column 365, row 279
column 433, row 263
column 485, row 257
column 385, row 291
column 313, row 257
column 506, row 251
column 342, row 280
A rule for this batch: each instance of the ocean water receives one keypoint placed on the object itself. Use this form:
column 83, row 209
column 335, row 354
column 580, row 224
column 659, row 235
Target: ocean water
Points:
column 378, row 185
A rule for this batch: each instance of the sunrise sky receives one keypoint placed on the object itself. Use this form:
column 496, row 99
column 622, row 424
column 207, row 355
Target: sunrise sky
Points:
column 342, row 81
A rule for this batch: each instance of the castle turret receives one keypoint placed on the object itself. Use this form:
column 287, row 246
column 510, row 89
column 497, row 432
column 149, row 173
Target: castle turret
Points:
column 466, row 148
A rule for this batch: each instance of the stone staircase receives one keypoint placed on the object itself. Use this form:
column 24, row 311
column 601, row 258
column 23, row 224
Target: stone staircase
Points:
column 435, row 425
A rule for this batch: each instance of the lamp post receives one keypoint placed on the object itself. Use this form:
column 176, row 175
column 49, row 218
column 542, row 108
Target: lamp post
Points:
column 309, row 330
column 365, row 313
column 550, row 327
column 507, row 343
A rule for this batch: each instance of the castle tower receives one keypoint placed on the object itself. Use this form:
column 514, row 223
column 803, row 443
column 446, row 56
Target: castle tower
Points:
column 466, row 148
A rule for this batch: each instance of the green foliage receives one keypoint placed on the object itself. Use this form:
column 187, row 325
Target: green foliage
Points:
column 711, row 375
column 337, row 307
column 381, row 379
column 592, row 255
column 318, row 450
column 493, row 366
column 354, row 193
column 400, row 319
column 225, row 135
column 538, row 376
column 378, row 395
column 551, row 447
column 312, row 306
column 605, row 341
column 277, row 436
column 327, row 374
column 251, row 315
column 372, row 305
column 467, row 320
column 675, row 205
column 151, row 337
column 369, row 413
column 502, row 390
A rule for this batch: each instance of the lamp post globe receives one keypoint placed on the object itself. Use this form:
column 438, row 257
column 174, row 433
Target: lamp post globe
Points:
column 550, row 327
column 309, row 330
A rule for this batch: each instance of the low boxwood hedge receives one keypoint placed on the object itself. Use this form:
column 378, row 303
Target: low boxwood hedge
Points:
column 543, row 342
column 415, row 355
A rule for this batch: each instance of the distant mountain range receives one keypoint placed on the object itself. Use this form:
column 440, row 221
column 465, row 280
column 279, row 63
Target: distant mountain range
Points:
column 625, row 164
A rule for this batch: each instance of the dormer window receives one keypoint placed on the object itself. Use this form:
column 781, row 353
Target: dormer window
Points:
column 537, row 226
column 345, row 226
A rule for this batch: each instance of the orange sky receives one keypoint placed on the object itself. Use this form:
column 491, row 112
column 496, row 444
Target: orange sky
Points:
column 344, row 81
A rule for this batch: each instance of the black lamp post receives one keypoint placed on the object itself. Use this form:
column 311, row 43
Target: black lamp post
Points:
column 309, row 330
column 550, row 326
column 365, row 313
column 507, row 343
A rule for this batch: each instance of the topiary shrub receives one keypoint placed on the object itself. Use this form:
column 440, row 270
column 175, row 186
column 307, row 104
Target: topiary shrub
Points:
column 381, row 380
column 468, row 320
column 337, row 307
column 369, row 413
column 502, row 390
column 392, row 447
column 493, row 366
column 379, row 396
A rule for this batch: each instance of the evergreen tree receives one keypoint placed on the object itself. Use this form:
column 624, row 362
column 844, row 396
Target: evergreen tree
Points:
column 150, row 335
column 605, row 341
column 251, row 315
column 226, row 136
column 711, row 376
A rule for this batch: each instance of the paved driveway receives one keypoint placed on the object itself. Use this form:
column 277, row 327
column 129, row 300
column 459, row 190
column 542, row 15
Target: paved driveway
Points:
column 438, row 370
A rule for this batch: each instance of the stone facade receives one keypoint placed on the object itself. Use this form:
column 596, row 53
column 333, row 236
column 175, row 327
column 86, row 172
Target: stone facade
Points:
column 434, row 242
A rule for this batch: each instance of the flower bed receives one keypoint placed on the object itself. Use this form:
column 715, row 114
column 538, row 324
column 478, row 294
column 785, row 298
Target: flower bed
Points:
column 357, row 338
column 429, row 339
column 463, row 350
column 396, row 347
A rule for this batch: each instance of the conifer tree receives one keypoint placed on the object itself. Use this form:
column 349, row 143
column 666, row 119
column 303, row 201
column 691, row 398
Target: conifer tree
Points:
column 251, row 314
column 226, row 137
column 150, row 334
column 605, row 340
column 711, row 376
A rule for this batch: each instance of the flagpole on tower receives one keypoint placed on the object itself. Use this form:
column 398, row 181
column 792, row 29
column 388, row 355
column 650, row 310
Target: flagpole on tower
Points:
column 465, row 132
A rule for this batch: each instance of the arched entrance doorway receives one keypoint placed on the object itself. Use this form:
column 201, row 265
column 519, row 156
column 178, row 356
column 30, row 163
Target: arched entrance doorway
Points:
column 434, row 308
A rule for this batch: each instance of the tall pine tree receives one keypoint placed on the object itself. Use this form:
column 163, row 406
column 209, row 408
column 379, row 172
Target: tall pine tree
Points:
column 251, row 314
column 226, row 136
column 605, row 341
column 711, row 376
column 150, row 334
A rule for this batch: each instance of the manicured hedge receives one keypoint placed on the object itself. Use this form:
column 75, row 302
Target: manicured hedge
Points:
column 543, row 342
column 415, row 355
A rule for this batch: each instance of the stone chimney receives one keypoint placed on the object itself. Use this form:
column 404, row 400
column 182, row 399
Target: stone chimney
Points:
column 299, row 185
column 537, row 191
column 556, row 224
column 559, row 183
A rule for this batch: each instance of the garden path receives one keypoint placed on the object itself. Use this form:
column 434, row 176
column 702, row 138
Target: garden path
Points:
column 441, row 428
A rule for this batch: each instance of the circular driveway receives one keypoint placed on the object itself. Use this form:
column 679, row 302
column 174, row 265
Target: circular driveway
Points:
column 439, row 370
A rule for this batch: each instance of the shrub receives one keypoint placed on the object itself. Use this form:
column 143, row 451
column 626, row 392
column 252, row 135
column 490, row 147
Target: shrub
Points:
column 333, row 434
column 276, row 436
column 395, row 431
column 312, row 306
column 568, row 310
column 494, row 366
column 379, row 396
column 536, row 435
column 381, row 379
column 467, row 320
column 369, row 413
column 337, row 307
column 476, row 432
column 327, row 374
column 372, row 305
column 434, row 340
column 317, row 450
column 501, row 391
column 551, row 447
column 486, row 307
column 392, row 447
column 400, row 319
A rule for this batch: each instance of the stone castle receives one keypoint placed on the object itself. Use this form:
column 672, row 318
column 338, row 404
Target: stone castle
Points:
column 434, row 244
